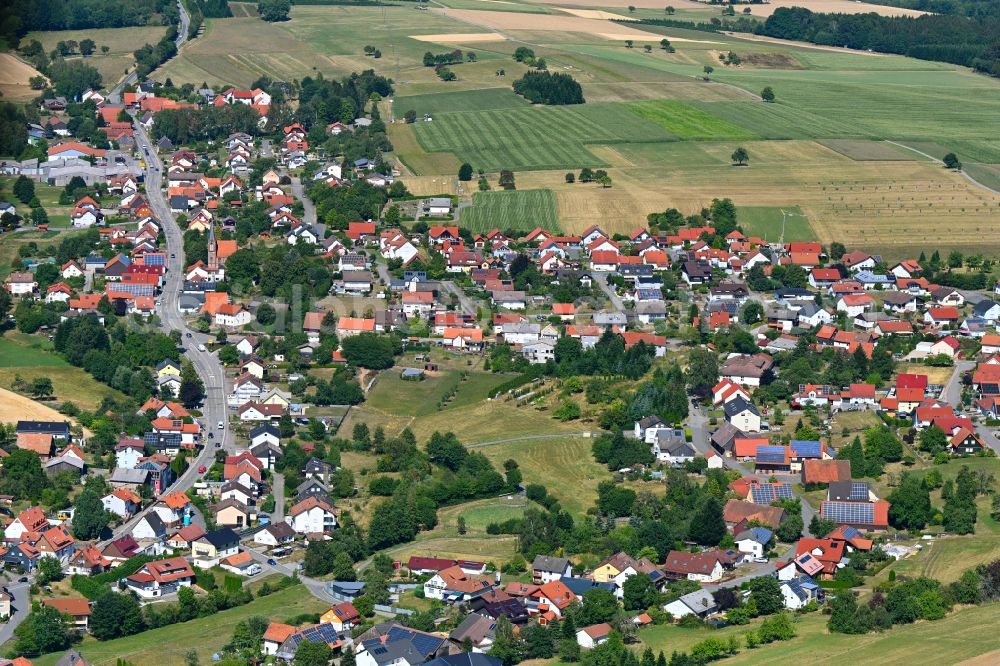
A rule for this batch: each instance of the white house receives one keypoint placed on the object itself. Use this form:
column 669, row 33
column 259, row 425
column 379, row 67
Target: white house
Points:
column 743, row 415
column 230, row 315
column 312, row 516
column 590, row 637
column 122, row 502
column 275, row 534
column 546, row 569
column 753, row 541
column 798, row 592
column 699, row 602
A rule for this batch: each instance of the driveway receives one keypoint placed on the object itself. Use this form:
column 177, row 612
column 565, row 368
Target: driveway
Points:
column 468, row 306
column 602, row 282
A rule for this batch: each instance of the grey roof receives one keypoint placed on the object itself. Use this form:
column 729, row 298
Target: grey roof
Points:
column 122, row 475
column 280, row 530
column 475, row 627
column 740, row 404
column 549, row 564
column 700, row 601
column 465, row 659
column 267, row 428
column 155, row 522
column 221, row 538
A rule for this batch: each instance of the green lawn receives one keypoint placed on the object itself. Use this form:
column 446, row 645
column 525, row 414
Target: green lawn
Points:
column 688, row 122
column 462, row 100
column 536, row 137
column 511, row 209
column 393, row 395
column 565, row 466
column 166, row 646
column 780, row 121
column 478, row 517
column 765, row 221
column 18, row 350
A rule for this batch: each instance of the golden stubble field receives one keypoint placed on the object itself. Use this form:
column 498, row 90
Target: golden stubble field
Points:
column 893, row 207
column 14, row 78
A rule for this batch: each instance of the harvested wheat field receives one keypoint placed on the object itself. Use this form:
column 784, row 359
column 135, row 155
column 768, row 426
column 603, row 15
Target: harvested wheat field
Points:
column 594, row 14
column 14, row 78
column 545, row 23
column 15, row 407
column 464, row 37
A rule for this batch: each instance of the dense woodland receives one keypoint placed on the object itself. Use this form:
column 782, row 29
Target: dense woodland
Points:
column 20, row 17
column 547, row 88
column 948, row 38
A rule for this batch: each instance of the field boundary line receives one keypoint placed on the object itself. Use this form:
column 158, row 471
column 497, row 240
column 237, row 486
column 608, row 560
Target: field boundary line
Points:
column 526, row 438
column 941, row 162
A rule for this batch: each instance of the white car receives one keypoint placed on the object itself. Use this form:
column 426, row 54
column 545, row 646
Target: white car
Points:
column 222, row 426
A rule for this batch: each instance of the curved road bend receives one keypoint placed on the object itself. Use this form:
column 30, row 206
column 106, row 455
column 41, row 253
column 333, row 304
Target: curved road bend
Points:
column 132, row 77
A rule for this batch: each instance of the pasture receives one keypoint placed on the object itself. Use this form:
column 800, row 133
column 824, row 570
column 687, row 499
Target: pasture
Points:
column 512, row 209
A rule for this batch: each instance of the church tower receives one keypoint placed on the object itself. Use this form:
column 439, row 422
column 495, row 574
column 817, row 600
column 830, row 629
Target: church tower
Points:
column 213, row 249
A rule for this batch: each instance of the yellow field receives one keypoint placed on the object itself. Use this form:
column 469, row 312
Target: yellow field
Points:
column 520, row 21
column 894, row 207
column 14, row 78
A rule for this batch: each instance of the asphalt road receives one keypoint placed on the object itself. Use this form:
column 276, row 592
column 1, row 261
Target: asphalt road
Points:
column 207, row 364
column 132, row 77
column 19, row 607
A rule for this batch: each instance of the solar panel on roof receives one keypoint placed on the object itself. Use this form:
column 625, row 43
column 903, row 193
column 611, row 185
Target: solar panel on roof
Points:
column 859, row 491
column 858, row 513
column 806, row 448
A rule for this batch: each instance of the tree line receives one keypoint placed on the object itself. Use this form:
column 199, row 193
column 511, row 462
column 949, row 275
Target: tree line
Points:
column 946, row 38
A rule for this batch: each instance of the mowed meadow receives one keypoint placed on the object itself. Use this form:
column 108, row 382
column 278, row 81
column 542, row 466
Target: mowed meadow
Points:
column 849, row 143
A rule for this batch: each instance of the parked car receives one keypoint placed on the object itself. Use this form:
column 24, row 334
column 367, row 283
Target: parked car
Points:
column 272, row 562
column 201, row 470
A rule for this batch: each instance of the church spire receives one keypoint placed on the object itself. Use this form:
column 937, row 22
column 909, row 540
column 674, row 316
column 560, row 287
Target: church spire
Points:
column 213, row 248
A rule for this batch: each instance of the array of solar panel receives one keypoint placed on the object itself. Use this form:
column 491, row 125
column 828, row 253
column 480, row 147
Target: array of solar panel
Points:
column 770, row 454
column 807, row 449
column 425, row 644
column 854, row 513
column 859, row 491
column 765, row 493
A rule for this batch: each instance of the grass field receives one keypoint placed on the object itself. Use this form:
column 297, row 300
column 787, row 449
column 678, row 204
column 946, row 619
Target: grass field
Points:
column 512, row 209
column 407, row 398
column 864, row 150
column 28, row 357
column 687, row 122
column 565, row 467
column 963, row 634
column 121, row 42
column 19, row 350
column 478, row 517
column 536, row 138
column 166, row 646
column 462, row 100
column 765, row 221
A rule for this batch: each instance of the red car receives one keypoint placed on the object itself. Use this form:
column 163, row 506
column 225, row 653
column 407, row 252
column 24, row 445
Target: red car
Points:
column 201, row 470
